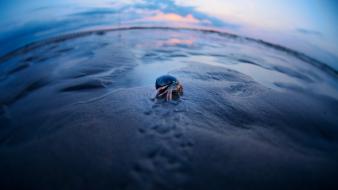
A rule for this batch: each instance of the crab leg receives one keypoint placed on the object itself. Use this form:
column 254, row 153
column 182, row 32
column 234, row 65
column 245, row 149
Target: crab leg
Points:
column 162, row 93
column 169, row 93
column 160, row 89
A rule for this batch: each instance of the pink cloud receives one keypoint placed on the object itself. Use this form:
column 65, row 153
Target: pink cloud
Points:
column 156, row 17
column 172, row 17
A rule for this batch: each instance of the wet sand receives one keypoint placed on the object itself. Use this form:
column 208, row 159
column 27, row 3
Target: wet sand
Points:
column 79, row 113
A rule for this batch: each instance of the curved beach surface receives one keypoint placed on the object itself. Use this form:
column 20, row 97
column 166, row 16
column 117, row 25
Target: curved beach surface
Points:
column 77, row 112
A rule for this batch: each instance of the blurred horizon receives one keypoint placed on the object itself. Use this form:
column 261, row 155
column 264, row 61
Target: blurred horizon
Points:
column 307, row 26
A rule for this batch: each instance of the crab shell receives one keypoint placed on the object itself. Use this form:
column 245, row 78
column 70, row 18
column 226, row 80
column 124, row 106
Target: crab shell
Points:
column 165, row 80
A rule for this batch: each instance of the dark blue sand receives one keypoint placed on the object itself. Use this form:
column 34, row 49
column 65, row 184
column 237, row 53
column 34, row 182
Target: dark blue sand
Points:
column 76, row 112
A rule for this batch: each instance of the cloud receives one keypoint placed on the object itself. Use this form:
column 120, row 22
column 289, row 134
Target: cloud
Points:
column 188, row 12
column 174, row 18
column 309, row 32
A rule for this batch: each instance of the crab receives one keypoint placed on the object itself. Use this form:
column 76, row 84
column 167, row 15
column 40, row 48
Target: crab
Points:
column 168, row 87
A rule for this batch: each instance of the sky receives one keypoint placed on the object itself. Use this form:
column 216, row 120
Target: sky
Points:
column 315, row 20
column 308, row 26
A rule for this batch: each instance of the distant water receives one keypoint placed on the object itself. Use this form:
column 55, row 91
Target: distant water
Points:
column 77, row 112
column 25, row 22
